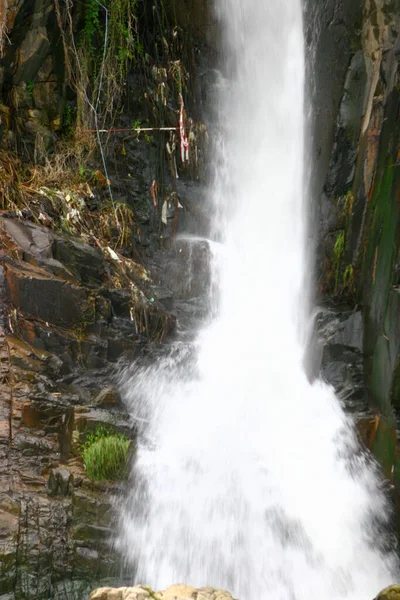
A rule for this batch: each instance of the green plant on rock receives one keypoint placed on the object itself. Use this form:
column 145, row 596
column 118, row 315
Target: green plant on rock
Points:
column 348, row 277
column 92, row 26
column 338, row 248
column 111, row 25
column 348, row 204
column 137, row 123
column 105, row 455
column 68, row 118
column 338, row 251
column 29, row 89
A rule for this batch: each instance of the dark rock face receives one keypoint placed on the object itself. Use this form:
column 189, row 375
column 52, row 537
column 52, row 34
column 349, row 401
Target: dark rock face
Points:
column 359, row 227
column 332, row 29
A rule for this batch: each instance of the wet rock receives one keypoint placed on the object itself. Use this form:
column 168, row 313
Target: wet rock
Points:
column 340, row 337
column 352, row 109
column 187, row 267
column 195, row 219
column 343, row 329
column 332, row 30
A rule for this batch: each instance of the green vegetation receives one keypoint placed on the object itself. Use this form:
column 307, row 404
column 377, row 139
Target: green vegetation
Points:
column 338, row 251
column 69, row 117
column 348, row 278
column 109, row 44
column 29, row 89
column 92, row 25
column 105, row 455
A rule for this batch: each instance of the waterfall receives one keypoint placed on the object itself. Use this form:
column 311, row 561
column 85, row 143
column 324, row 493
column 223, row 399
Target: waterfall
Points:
column 248, row 477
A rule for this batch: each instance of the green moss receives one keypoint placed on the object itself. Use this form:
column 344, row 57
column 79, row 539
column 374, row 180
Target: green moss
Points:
column 105, row 455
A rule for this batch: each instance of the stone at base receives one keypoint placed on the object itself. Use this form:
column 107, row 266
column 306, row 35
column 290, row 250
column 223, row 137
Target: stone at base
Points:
column 175, row 592
column 390, row 593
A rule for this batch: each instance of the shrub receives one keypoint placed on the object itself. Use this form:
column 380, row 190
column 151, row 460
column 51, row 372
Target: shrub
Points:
column 105, row 455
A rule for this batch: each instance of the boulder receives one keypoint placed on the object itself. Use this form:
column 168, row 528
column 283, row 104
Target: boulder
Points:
column 390, row 593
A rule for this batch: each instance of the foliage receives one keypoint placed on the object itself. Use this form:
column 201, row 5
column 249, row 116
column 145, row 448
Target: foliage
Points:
column 338, row 248
column 92, row 25
column 348, row 276
column 105, row 454
column 338, row 251
column 110, row 42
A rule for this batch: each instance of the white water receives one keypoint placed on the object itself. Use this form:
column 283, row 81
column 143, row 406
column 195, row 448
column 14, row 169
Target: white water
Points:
column 248, row 477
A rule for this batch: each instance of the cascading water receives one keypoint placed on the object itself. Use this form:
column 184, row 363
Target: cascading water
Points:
column 248, row 477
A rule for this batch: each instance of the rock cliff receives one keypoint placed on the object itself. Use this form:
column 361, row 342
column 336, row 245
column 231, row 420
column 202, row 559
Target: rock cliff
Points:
column 356, row 156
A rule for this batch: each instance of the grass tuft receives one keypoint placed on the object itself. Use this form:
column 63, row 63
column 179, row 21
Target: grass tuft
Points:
column 105, row 455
